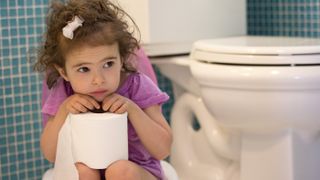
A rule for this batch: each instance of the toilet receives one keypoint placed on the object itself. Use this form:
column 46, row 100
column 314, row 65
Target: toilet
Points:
column 256, row 101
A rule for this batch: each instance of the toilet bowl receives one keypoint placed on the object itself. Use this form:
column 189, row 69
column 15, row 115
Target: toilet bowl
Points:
column 259, row 119
column 205, row 153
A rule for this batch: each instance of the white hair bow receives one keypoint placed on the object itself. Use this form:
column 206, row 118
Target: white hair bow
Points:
column 68, row 30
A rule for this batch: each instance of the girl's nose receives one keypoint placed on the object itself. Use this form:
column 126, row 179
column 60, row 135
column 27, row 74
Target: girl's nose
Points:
column 98, row 79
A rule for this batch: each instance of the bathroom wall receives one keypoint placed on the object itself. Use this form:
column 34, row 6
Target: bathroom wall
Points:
column 284, row 17
column 21, row 28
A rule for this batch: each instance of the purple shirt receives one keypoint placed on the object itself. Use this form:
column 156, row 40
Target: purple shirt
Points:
column 137, row 87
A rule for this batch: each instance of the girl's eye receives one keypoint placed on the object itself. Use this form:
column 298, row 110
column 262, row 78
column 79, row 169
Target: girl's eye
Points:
column 108, row 64
column 83, row 69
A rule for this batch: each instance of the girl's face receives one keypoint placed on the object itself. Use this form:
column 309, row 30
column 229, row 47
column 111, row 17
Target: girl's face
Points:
column 94, row 71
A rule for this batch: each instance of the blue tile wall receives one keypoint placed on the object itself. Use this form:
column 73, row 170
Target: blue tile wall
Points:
column 284, row 17
column 165, row 85
column 21, row 28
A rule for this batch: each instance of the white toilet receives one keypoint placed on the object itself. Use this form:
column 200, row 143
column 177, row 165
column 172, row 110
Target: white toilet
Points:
column 256, row 100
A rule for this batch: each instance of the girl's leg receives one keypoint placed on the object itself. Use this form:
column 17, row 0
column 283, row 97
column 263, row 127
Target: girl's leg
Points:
column 86, row 173
column 127, row 170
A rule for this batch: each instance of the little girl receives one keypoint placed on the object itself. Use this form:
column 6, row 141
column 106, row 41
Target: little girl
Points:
column 85, row 57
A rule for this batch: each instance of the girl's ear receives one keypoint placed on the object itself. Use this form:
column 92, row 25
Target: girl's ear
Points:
column 121, row 62
column 122, row 66
column 62, row 72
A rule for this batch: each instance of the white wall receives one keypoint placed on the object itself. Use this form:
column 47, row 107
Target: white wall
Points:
column 139, row 11
column 163, row 21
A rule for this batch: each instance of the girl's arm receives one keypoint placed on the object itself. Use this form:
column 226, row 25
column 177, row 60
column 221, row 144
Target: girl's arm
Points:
column 75, row 104
column 150, row 125
column 152, row 129
column 49, row 136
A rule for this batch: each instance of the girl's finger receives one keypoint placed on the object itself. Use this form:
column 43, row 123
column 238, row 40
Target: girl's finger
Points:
column 79, row 107
column 116, row 105
column 93, row 102
column 73, row 111
column 108, row 101
column 85, row 102
column 122, row 109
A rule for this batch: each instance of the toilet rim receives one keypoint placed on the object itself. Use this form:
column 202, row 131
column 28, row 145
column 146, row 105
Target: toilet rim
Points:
column 256, row 60
column 258, row 50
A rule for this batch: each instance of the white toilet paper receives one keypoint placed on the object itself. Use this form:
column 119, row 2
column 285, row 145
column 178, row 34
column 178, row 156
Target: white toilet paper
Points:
column 95, row 139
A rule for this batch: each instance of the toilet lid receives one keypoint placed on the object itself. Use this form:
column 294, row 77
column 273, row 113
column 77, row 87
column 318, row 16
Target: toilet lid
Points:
column 260, row 50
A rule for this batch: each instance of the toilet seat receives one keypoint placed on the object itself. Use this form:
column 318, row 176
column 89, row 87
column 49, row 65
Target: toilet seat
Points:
column 261, row 51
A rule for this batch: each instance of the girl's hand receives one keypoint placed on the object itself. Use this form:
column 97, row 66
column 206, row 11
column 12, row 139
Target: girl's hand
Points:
column 79, row 103
column 116, row 103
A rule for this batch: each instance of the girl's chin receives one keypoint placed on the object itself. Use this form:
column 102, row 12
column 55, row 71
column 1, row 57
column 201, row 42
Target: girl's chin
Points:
column 99, row 99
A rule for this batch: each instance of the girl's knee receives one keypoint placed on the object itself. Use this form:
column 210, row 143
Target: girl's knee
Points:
column 87, row 173
column 122, row 170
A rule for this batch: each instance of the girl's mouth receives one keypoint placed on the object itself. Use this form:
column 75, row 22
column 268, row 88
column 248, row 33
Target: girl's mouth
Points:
column 98, row 93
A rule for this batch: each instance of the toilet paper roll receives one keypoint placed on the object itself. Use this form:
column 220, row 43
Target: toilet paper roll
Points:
column 99, row 139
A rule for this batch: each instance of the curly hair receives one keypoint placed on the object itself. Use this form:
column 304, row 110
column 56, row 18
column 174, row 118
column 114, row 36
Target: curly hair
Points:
column 104, row 24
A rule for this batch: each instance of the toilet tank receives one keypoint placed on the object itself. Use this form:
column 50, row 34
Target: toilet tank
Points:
column 185, row 21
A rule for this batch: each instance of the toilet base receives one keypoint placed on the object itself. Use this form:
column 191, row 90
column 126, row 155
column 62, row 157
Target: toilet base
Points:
column 193, row 155
column 286, row 155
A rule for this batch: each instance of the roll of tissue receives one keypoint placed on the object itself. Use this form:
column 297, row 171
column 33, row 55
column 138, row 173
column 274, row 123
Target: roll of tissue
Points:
column 99, row 139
